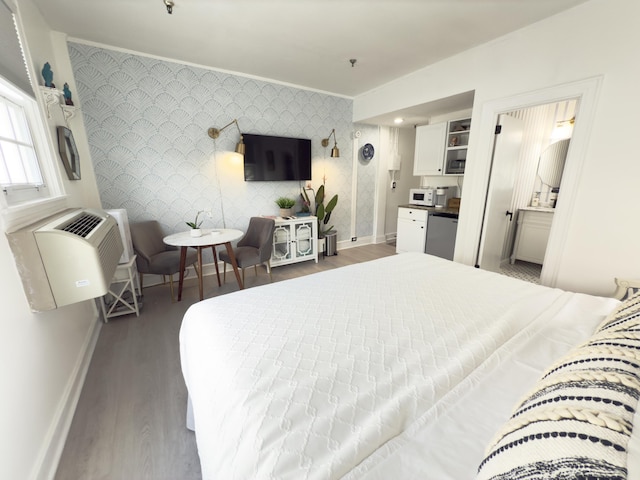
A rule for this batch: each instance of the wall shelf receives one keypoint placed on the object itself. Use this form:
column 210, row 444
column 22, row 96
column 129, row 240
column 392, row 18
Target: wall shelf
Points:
column 55, row 96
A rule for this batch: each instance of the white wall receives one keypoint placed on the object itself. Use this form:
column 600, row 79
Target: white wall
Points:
column 42, row 356
column 405, row 180
column 589, row 40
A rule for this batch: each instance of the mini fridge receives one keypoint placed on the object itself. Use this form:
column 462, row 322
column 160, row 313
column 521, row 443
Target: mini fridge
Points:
column 441, row 234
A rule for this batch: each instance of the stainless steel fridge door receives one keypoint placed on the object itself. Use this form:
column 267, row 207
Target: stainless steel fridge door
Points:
column 441, row 235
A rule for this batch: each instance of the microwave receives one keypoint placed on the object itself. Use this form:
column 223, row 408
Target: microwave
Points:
column 423, row 196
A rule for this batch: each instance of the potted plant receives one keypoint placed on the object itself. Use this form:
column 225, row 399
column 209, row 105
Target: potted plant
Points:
column 326, row 234
column 195, row 225
column 286, row 206
column 324, row 212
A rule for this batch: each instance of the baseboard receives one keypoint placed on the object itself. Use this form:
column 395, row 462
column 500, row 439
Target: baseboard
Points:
column 359, row 242
column 45, row 468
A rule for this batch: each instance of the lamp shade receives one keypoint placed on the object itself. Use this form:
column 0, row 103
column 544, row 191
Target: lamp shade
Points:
column 240, row 146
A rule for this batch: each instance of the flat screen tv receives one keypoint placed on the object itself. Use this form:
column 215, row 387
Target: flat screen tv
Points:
column 269, row 158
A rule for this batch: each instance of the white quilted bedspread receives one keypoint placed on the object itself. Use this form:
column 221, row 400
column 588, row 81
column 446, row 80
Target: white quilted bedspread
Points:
column 307, row 378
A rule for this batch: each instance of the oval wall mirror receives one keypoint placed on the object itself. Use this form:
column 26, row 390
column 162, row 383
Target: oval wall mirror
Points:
column 551, row 163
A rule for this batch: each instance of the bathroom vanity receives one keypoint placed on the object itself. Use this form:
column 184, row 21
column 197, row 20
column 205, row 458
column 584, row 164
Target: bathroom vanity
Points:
column 532, row 234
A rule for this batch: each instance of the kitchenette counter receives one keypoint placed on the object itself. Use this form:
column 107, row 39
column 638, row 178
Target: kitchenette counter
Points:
column 448, row 210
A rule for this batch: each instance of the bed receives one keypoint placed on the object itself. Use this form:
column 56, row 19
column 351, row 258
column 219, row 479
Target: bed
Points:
column 405, row 367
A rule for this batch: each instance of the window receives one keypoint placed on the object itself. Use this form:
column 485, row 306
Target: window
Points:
column 31, row 187
column 20, row 175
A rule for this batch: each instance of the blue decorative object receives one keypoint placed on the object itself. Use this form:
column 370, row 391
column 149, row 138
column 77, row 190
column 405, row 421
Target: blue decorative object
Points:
column 67, row 95
column 47, row 74
column 367, row 151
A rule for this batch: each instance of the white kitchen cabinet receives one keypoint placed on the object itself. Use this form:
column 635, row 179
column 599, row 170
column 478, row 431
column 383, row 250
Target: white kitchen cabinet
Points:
column 532, row 234
column 295, row 240
column 429, row 151
column 412, row 230
column 457, row 143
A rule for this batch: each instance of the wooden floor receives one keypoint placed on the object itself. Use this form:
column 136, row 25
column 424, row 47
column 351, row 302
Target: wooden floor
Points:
column 130, row 420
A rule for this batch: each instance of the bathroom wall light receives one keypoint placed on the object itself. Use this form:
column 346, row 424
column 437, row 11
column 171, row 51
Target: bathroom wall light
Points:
column 335, row 153
column 215, row 133
column 563, row 129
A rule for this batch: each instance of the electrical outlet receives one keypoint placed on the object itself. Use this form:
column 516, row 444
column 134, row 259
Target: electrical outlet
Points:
column 353, row 239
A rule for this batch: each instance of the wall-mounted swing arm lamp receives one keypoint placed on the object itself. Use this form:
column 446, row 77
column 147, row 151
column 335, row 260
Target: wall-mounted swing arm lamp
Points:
column 169, row 4
column 215, row 133
column 335, row 153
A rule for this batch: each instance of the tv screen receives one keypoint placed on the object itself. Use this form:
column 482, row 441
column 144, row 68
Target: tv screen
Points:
column 268, row 158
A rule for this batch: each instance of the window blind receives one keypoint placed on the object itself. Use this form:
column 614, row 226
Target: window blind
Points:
column 12, row 64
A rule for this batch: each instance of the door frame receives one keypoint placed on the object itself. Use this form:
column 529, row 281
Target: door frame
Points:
column 475, row 193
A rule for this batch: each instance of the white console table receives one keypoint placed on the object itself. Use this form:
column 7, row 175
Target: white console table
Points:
column 295, row 240
column 122, row 297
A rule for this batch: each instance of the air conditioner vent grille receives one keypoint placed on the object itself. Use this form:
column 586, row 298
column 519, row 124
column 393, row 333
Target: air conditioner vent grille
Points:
column 83, row 225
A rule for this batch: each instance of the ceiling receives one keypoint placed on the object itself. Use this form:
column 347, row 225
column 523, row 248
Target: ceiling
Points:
column 305, row 43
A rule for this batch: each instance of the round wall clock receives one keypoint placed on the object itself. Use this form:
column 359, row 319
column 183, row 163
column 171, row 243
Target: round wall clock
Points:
column 367, row 151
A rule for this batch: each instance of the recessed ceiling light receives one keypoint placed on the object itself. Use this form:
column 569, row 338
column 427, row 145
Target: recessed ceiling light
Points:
column 398, row 120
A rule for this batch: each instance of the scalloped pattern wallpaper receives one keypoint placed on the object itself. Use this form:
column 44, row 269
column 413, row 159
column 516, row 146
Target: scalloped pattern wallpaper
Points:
column 147, row 122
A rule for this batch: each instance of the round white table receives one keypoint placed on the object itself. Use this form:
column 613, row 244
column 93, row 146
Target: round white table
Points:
column 209, row 238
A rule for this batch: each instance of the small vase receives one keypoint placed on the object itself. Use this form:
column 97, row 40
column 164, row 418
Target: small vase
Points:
column 196, row 232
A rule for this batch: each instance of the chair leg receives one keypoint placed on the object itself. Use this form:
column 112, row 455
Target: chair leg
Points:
column 224, row 274
column 141, row 277
column 255, row 269
column 269, row 270
column 242, row 275
column 171, row 288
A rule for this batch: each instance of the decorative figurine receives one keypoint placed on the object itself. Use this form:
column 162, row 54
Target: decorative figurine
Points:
column 67, row 94
column 47, row 74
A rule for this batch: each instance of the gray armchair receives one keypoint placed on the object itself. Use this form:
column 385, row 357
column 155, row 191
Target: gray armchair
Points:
column 254, row 248
column 153, row 255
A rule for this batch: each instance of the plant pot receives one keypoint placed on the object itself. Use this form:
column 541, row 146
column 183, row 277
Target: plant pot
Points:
column 196, row 232
column 286, row 212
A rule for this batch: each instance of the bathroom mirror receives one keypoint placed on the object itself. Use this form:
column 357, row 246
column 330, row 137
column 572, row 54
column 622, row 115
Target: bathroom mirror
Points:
column 551, row 163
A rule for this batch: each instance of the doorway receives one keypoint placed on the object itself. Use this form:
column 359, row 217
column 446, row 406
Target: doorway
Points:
column 470, row 246
column 528, row 162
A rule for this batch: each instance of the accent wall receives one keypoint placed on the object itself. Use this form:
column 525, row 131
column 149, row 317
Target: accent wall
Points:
column 147, row 120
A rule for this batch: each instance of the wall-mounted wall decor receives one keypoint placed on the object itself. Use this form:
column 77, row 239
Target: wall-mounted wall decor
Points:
column 69, row 153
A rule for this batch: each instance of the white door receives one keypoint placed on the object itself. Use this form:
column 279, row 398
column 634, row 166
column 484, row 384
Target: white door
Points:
column 506, row 152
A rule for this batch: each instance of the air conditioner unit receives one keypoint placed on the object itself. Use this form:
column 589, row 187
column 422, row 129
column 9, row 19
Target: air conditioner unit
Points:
column 120, row 215
column 67, row 258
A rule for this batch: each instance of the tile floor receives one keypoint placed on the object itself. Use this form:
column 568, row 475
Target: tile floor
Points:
column 527, row 271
